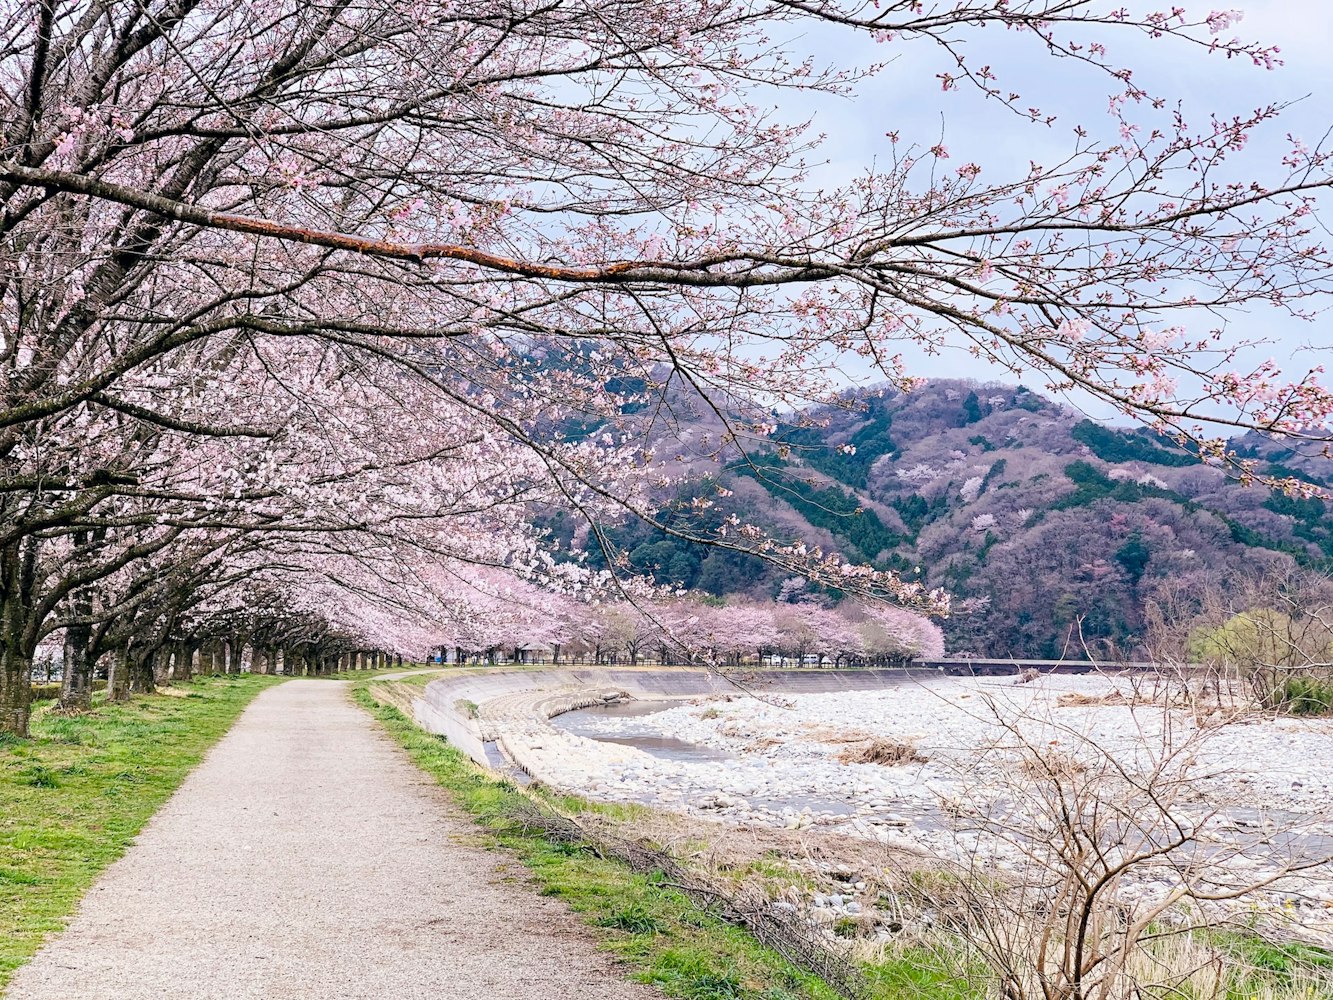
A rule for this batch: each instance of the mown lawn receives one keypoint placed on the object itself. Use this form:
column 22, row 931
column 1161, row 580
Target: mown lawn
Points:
column 73, row 796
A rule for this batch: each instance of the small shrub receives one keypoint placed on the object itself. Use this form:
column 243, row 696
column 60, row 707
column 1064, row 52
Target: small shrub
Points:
column 39, row 776
column 635, row 918
column 1307, row 696
column 715, row 986
column 846, row 927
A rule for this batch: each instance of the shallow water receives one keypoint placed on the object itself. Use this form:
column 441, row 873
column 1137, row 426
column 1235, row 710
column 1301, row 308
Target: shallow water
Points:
column 583, row 722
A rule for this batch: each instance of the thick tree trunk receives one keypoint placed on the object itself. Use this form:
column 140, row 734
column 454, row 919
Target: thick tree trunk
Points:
column 161, row 662
column 118, row 678
column 182, row 666
column 76, row 683
column 18, row 571
column 141, row 672
column 15, row 690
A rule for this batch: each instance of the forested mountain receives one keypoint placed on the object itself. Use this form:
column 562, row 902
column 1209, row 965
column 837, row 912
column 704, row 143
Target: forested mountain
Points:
column 1040, row 521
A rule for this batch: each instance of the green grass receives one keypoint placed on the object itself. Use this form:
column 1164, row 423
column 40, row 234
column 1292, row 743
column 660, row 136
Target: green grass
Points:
column 666, row 939
column 73, row 796
column 361, row 675
column 1306, row 696
column 1274, row 968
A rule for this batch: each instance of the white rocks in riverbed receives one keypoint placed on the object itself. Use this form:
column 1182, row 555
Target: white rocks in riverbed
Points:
column 784, row 769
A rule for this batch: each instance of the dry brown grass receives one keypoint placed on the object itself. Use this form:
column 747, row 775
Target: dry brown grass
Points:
column 825, row 734
column 1076, row 699
column 396, row 693
column 878, row 750
column 1052, row 765
column 792, row 862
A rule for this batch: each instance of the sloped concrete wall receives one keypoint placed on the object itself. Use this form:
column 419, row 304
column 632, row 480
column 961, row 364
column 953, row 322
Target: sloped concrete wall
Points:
column 445, row 705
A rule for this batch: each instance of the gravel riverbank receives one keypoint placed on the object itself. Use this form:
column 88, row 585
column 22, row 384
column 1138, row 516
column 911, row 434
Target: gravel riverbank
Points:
column 784, row 761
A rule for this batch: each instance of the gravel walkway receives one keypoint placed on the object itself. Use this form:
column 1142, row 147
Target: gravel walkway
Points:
column 307, row 857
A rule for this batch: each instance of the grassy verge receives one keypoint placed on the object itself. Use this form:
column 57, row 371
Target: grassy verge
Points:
column 669, row 942
column 73, row 796
column 362, row 675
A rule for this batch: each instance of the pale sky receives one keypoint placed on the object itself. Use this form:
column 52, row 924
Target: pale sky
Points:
column 907, row 97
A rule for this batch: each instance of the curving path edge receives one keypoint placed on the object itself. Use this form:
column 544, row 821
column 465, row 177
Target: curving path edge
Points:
column 306, row 857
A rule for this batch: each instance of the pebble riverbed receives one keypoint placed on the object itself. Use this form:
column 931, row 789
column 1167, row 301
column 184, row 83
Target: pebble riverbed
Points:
column 775, row 761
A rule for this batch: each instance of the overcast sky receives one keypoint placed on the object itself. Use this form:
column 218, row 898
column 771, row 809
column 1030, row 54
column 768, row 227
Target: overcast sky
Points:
column 908, row 98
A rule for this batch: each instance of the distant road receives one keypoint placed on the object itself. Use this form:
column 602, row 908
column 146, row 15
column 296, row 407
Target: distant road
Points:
column 307, row 858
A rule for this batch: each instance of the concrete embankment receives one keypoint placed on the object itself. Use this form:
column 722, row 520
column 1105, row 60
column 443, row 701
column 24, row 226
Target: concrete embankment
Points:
column 510, row 709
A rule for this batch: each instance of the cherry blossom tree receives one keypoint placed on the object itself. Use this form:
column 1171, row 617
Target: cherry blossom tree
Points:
column 365, row 280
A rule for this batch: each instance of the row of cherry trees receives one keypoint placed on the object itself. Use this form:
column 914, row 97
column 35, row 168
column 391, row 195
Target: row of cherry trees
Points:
column 305, row 308
column 685, row 630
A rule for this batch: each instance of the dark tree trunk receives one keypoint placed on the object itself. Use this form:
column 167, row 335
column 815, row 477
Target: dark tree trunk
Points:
column 141, row 670
column 161, row 661
column 76, row 683
column 183, row 655
column 118, row 678
column 18, row 572
column 182, row 668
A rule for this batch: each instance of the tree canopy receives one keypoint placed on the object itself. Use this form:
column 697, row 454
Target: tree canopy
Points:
column 325, row 299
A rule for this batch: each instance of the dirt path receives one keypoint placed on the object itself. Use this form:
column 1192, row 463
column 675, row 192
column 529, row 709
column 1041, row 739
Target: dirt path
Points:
column 307, row 858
